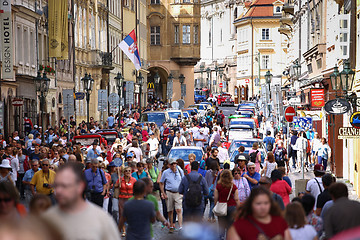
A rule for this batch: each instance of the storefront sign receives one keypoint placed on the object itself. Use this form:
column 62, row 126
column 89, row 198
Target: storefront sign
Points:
column 317, row 97
column 355, row 120
column 17, row 102
column 348, row 133
column 337, row 106
column 6, row 40
column 302, row 123
column 315, row 115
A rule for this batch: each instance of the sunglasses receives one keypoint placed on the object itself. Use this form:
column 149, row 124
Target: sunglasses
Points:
column 5, row 200
column 45, row 165
column 251, row 168
column 34, row 165
column 237, row 173
column 127, row 170
column 173, row 163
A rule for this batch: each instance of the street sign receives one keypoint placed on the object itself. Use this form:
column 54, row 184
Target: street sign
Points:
column 175, row 104
column 221, row 84
column 79, row 96
column 181, row 103
column 68, row 100
column 290, row 114
column 348, row 133
column 355, row 120
column 295, row 101
column 302, row 123
column 102, row 100
column 247, row 81
column 17, row 102
column 337, row 106
column 114, row 99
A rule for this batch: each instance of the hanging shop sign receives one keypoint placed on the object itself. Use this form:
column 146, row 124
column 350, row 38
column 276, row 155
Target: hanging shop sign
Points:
column 348, row 133
column 355, row 120
column 315, row 115
column 337, row 106
column 6, row 39
column 317, row 97
column 17, row 102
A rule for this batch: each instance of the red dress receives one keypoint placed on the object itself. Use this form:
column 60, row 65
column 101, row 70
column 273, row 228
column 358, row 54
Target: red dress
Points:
column 282, row 188
column 224, row 193
column 275, row 230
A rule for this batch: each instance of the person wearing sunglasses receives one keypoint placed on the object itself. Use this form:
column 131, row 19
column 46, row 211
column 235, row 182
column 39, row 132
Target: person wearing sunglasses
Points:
column 43, row 181
column 251, row 175
column 29, row 174
column 10, row 208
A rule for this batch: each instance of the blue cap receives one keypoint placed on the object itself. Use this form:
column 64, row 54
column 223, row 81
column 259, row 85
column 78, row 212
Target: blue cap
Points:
column 112, row 164
column 130, row 154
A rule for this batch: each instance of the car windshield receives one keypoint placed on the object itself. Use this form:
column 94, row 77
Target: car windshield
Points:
column 184, row 154
column 157, row 118
column 236, row 144
column 86, row 141
column 201, row 107
column 186, row 114
column 174, row 114
column 240, row 122
column 233, row 155
column 110, row 138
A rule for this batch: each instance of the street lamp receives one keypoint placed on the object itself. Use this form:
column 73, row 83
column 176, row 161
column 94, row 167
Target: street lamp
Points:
column 170, row 86
column 119, row 80
column 88, row 83
column 182, row 80
column 297, row 68
column 347, row 77
column 42, row 87
column 140, row 79
column 335, row 78
column 208, row 71
column 156, row 78
column 268, row 77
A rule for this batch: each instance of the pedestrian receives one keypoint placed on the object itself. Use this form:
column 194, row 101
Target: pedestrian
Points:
column 299, row 228
column 251, row 175
column 280, row 155
column 179, row 140
column 315, row 186
column 241, row 163
column 200, row 138
column 269, row 142
column 110, row 121
column 270, row 165
column 5, row 171
column 169, row 186
column 138, row 214
column 308, row 203
column 211, row 177
column 255, row 156
column 154, row 145
column 125, row 185
column 39, row 204
column 226, row 192
column 215, row 137
column 29, row 174
column 202, row 168
column 344, row 214
column 93, row 152
column 140, row 173
column 193, row 187
column 153, row 173
column 266, row 182
column 241, row 155
column 75, row 217
column 259, row 218
column 301, row 147
column 213, row 158
column 170, row 140
column 315, row 144
column 323, row 153
column 242, row 185
column 280, row 187
column 10, row 208
column 292, row 149
column 324, row 197
column 192, row 158
column 165, row 134
column 96, row 183
column 136, row 149
column 43, row 181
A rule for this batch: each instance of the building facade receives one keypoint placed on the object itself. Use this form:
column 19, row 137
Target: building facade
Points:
column 173, row 47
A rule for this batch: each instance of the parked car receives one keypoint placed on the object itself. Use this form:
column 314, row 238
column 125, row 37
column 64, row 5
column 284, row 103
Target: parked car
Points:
column 109, row 134
column 247, row 143
column 225, row 99
column 240, row 132
column 86, row 140
column 184, row 151
column 159, row 117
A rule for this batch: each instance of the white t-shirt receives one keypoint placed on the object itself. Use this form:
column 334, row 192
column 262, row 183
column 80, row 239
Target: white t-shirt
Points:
column 269, row 168
column 179, row 142
column 307, row 232
column 138, row 153
column 154, row 144
column 194, row 130
column 199, row 136
column 313, row 187
column 14, row 162
column 223, row 154
column 91, row 223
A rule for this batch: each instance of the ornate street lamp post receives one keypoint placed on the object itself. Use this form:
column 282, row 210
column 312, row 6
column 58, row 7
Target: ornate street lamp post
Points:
column 140, row 79
column 170, row 86
column 88, row 83
column 182, row 80
column 42, row 87
column 119, row 80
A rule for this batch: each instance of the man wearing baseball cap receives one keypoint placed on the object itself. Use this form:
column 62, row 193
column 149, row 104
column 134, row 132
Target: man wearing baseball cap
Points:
column 315, row 186
column 251, row 175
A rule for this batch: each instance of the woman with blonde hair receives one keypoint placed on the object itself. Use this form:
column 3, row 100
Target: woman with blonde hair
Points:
column 29, row 142
column 226, row 191
column 115, row 145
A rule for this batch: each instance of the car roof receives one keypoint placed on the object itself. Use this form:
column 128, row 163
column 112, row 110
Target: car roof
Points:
column 243, row 120
column 155, row 112
column 186, row 147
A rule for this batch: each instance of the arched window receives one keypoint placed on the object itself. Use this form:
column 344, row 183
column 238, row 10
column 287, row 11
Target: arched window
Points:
column 278, row 9
column 92, row 35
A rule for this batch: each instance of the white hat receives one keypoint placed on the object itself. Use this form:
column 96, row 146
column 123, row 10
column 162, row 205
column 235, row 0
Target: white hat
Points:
column 5, row 164
column 250, row 164
column 100, row 159
column 35, row 126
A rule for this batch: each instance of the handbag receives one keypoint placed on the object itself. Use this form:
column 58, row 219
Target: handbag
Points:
column 220, row 209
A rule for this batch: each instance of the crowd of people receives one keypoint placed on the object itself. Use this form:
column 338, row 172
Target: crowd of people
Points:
column 117, row 190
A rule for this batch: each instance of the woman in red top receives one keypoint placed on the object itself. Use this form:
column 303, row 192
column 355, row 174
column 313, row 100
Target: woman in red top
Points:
column 221, row 193
column 145, row 134
column 280, row 187
column 259, row 218
column 126, row 185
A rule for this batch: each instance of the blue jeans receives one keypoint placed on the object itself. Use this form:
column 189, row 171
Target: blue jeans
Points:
column 225, row 222
column 322, row 161
column 211, row 202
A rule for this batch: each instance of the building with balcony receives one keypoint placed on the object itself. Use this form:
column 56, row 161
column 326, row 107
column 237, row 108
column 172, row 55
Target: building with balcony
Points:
column 173, row 46
column 218, row 48
column 260, row 46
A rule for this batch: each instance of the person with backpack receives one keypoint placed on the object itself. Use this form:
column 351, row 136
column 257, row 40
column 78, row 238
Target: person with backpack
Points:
column 255, row 156
column 269, row 142
column 194, row 188
column 280, row 154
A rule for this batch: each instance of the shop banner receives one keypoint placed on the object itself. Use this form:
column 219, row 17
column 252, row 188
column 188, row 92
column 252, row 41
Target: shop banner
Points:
column 348, row 133
column 317, row 98
column 58, row 29
column 315, row 115
column 6, row 41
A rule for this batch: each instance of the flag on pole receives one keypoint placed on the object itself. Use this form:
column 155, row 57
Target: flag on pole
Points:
column 129, row 47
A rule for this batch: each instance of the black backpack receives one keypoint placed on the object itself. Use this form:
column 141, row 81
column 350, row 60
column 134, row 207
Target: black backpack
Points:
column 279, row 154
column 193, row 194
column 219, row 118
column 253, row 156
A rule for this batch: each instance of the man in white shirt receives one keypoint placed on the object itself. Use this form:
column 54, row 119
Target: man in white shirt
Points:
column 154, row 145
column 223, row 154
column 200, row 138
column 315, row 186
column 194, row 129
column 179, row 140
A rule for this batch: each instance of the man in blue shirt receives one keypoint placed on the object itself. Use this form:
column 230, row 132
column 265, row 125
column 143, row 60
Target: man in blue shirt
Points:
column 96, row 183
column 251, row 175
column 93, row 152
column 169, row 187
column 269, row 142
column 111, row 120
column 29, row 174
column 193, row 212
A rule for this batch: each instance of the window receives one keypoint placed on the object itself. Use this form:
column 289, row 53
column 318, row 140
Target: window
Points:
column 278, row 9
column 265, row 34
column 220, row 35
column 177, row 1
column 155, row 1
column 265, row 62
column 132, row 5
column 319, row 63
column 176, row 34
column 210, row 37
column 344, row 35
column 186, row 34
column 196, row 34
column 155, row 35
column 309, row 66
column 186, row 1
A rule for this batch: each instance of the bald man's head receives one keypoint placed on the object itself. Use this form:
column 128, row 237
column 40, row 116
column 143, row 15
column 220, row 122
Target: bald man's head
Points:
column 265, row 182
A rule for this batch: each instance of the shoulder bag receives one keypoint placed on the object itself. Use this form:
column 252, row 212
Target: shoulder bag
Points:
column 220, row 209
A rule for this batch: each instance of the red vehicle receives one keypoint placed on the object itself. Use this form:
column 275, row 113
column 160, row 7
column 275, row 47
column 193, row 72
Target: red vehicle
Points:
column 109, row 134
column 86, row 140
column 225, row 99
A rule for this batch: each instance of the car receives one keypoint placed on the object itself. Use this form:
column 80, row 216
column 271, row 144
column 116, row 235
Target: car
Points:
column 183, row 153
column 225, row 99
column 240, row 131
column 247, row 143
column 244, row 112
column 174, row 116
column 86, row 140
column 109, row 134
column 243, row 121
column 159, row 117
